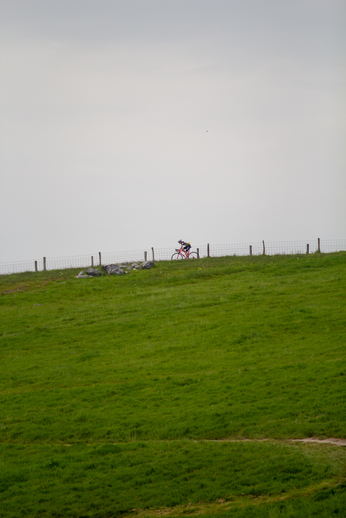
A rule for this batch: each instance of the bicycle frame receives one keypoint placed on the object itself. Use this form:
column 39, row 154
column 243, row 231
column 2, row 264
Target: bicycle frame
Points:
column 182, row 254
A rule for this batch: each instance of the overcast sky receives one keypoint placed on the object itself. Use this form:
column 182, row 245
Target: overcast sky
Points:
column 127, row 124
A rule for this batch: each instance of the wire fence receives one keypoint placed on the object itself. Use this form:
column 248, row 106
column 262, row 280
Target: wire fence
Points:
column 165, row 254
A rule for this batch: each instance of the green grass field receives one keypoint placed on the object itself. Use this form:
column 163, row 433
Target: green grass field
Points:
column 175, row 391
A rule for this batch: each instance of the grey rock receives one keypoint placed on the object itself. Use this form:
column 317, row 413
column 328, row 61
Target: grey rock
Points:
column 82, row 275
column 148, row 264
column 113, row 269
column 93, row 273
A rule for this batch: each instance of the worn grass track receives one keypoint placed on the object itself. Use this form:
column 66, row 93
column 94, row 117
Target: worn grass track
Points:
column 117, row 393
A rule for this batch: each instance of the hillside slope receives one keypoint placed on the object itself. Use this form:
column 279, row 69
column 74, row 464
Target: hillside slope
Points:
column 137, row 392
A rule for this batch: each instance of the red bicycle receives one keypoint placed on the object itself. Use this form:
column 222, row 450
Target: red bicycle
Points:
column 182, row 254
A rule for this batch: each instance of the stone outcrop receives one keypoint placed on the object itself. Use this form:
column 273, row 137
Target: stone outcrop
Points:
column 119, row 269
column 91, row 272
column 82, row 275
column 148, row 264
column 115, row 269
column 134, row 266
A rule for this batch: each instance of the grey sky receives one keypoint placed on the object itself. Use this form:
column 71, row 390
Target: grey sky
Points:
column 130, row 124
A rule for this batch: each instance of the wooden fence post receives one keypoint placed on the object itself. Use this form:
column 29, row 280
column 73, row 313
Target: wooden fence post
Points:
column 35, row 266
column 100, row 258
column 197, row 253
column 145, row 256
column 208, row 250
column 250, row 249
column 319, row 244
column 264, row 248
column 307, row 248
column 92, row 261
column 152, row 249
column 44, row 264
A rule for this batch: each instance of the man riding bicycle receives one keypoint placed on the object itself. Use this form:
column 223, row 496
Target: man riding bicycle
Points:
column 184, row 251
column 184, row 246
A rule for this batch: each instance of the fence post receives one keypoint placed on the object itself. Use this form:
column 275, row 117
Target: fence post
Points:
column 44, row 264
column 100, row 258
column 250, row 249
column 208, row 250
column 319, row 244
column 307, row 248
column 197, row 253
column 35, row 266
column 92, row 261
column 152, row 249
column 145, row 256
column 264, row 248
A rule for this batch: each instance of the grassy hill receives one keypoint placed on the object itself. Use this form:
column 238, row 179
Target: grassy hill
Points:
column 176, row 390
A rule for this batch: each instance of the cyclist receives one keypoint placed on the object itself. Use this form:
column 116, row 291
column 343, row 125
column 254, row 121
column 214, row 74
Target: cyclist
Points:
column 184, row 246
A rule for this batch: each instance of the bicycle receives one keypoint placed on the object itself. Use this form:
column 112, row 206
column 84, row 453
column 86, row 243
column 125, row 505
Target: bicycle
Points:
column 182, row 254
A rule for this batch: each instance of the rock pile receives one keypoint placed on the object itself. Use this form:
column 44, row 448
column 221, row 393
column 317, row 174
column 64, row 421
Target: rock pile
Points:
column 91, row 272
column 115, row 269
column 147, row 265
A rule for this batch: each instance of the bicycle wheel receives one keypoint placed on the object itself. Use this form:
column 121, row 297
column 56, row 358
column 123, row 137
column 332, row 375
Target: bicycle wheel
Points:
column 193, row 255
column 177, row 256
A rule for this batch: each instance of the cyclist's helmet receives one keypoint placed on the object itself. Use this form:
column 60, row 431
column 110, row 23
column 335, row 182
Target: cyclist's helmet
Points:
column 180, row 241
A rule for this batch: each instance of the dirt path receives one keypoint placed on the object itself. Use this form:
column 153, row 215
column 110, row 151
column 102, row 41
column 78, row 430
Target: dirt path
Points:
column 330, row 440
column 336, row 442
